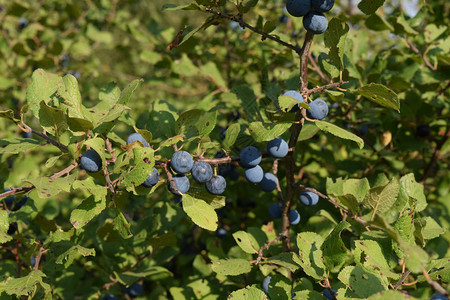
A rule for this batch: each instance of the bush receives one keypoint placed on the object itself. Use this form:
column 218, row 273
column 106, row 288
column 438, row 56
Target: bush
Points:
column 212, row 81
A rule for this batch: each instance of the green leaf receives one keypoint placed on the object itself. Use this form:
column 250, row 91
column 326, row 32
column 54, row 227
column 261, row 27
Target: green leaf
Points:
column 130, row 277
column 52, row 119
column 191, row 6
column 380, row 94
column 339, row 132
column 285, row 260
column 8, row 114
column 71, row 96
column 390, row 295
column 47, row 187
column 308, row 131
column 310, row 256
column 86, row 211
column 231, row 136
column 246, row 242
column 24, row 286
column 200, row 212
column 79, row 124
column 264, row 132
column 248, row 101
column 414, row 191
column 381, row 198
column 333, row 248
column 210, row 71
column 427, row 228
column 432, row 32
column 43, row 87
column 98, row 144
column 121, row 225
column 233, row 267
column 334, row 39
column 269, row 26
column 248, row 293
column 4, row 226
column 127, row 92
column 361, row 281
column 286, row 103
column 370, row 6
column 370, row 255
column 17, row 145
column 328, row 66
column 65, row 252
column 144, row 159
column 279, row 287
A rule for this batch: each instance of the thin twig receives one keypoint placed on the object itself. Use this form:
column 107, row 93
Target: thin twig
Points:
column 267, row 246
column 243, row 24
column 436, row 154
column 317, row 69
column 434, row 284
column 44, row 136
column 401, row 281
column 326, row 87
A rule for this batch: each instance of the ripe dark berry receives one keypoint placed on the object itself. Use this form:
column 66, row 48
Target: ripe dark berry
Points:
column 91, row 161
column 254, row 175
column 216, row 185
column 201, row 171
column 137, row 137
column 275, row 210
column 308, row 198
column 268, row 183
column 152, row 179
column 322, row 5
column 181, row 162
column 319, row 109
column 135, row 289
column 423, row 130
column 315, row 22
column 294, row 217
column 277, row 148
column 181, row 183
column 298, row 8
column 250, row 157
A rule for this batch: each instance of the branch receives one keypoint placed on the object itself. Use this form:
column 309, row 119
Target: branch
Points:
column 27, row 128
column 243, row 24
column 21, row 190
column 332, row 201
column 434, row 284
column 326, row 87
column 295, row 131
column 317, row 69
column 267, row 246
column 415, row 50
column 436, row 154
column 401, row 281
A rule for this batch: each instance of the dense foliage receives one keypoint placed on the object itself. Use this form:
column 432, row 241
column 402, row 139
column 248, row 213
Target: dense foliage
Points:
column 214, row 148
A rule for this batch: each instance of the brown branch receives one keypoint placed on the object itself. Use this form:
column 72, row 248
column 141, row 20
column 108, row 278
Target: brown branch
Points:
column 326, row 87
column 45, row 137
column 295, row 132
column 110, row 150
column 317, row 69
column 38, row 258
column 434, row 284
column 21, row 190
column 423, row 55
column 436, row 154
column 332, row 201
column 267, row 246
column 243, row 24
column 401, row 281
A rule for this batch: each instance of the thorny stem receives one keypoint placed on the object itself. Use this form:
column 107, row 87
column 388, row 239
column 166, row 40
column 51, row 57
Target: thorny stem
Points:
column 295, row 131
column 434, row 284
column 238, row 18
column 267, row 246
column 44, row 136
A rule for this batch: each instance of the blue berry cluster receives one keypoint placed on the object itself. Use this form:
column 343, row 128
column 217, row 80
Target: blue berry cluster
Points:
column 312, row 12
column 319, row 108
